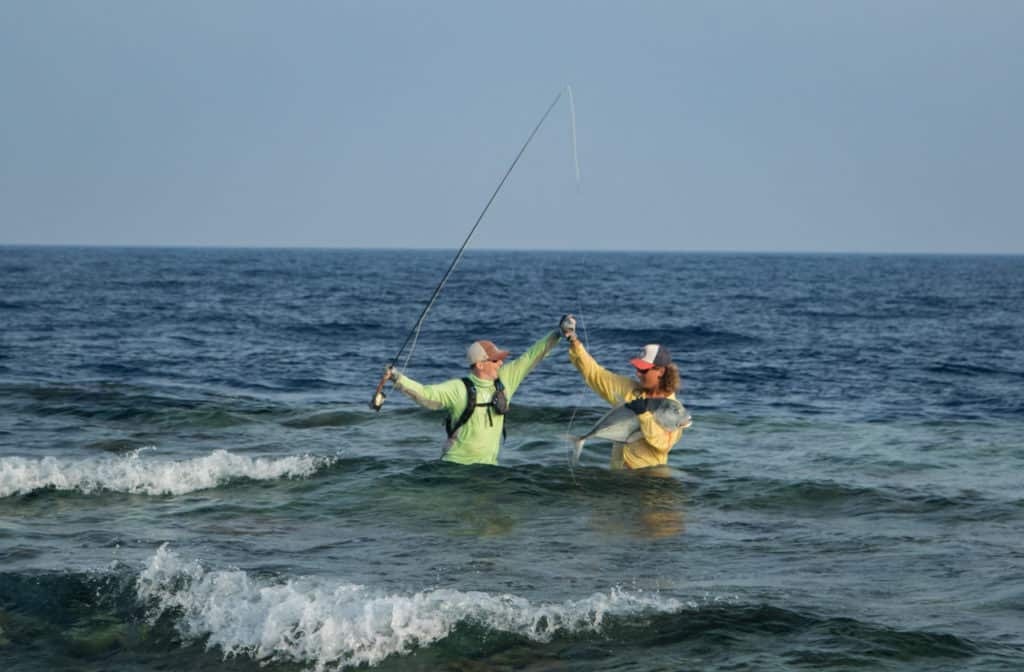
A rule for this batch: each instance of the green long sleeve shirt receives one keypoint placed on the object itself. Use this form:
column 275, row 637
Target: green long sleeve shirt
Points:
column 479, row 440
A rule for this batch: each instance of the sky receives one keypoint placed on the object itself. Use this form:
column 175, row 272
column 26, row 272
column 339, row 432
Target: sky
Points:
column 796, row 126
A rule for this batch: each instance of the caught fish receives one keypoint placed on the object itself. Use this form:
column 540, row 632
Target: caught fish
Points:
column 622, row 425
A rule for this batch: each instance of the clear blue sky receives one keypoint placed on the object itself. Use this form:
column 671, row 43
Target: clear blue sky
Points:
column 873, row 126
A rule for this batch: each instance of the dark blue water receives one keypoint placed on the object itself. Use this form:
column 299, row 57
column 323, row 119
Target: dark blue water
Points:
column 190, row 477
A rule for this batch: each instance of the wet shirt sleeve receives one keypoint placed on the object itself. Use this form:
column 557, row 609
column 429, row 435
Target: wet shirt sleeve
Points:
column 447, row 395
column 654, row 447
column 612, row 387
column 657, row 436
column 513, row 373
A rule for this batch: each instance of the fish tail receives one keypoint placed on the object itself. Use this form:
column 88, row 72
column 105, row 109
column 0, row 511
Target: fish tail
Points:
column 575, row 450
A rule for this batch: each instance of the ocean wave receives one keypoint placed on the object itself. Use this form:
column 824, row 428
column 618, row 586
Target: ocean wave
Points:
column 109, row 402
column 969, row 370
column 136, row 474
column 337, row 418
column 826, row 498
column 333, row 624
column 176, row 607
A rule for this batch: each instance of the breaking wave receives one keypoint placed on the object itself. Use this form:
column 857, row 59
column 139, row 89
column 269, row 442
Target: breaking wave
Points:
column 335, row 625
column 136, row 474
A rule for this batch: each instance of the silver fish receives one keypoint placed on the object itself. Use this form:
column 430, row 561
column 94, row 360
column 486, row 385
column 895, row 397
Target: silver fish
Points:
column 621, row 424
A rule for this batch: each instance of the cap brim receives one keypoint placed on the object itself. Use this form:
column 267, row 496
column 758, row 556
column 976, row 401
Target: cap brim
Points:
column 500, row 356
column 641, row 364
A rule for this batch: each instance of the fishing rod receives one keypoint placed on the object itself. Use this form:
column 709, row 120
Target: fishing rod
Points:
column 378, row 396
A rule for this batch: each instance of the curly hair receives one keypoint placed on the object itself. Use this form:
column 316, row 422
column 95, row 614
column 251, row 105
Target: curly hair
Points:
column 669, row 381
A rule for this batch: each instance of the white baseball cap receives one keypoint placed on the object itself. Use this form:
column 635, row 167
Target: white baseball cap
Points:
column 651, row 356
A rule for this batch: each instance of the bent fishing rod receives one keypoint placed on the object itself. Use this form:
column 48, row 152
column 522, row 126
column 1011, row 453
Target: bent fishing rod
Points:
column 378, row 396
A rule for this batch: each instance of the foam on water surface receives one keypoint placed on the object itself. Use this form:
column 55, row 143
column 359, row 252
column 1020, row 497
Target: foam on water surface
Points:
column 138, row 473
column 331, row 623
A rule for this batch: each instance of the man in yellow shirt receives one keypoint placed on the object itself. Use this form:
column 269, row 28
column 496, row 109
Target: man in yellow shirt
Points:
column 657, row 378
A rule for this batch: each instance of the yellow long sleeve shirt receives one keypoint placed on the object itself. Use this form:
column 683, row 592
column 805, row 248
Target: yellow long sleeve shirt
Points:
column 654, row 447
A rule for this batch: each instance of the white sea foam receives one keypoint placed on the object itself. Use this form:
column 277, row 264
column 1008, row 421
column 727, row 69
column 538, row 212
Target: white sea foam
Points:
column 139, row 474
column 334, row 625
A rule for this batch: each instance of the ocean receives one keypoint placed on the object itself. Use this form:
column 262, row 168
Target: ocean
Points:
column 191, row 479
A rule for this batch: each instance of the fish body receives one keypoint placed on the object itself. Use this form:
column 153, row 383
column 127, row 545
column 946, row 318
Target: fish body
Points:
column 621, row 424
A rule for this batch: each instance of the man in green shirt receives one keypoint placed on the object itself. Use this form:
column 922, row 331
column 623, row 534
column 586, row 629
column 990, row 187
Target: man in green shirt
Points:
column 476, row 438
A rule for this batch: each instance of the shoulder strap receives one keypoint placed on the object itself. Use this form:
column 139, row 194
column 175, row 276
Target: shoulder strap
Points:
column 500, row 399
column 466, row 413
column 499, row 402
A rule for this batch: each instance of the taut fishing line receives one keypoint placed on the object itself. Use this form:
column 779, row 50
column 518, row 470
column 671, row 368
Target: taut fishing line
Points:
column 581, row 323
column 572, row 124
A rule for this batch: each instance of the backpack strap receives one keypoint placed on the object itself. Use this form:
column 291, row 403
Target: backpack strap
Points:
column 467, row 413
column 498, row 402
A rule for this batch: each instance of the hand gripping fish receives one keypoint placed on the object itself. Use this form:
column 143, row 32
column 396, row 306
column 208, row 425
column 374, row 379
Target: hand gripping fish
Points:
column 622, row 425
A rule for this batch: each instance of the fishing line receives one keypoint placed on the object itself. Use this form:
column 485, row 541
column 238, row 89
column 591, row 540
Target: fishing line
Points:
column 413, row 336
column 582, row 274
column 581, row 322
column 572, row 125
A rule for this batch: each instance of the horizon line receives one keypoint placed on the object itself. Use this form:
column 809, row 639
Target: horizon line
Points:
column 181, row 246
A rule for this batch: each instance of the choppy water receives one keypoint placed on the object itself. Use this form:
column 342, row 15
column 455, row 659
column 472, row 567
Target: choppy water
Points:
column 190, row 478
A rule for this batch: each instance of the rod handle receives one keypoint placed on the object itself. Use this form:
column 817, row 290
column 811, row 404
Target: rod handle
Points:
column 378, row 395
